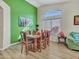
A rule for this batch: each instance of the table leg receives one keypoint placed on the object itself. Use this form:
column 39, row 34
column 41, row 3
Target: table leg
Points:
column 48, row 41
column 65, row 40
column 26, row 46
column 39, row 44
column 58, row 39
column 35, row 45
column 45, row 43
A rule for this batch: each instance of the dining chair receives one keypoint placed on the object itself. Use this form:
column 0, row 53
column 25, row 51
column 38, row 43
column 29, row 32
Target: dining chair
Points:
column 38, row 41
column 24, row 42
column 48, row 37
column 41, row 42
column 62, row 36
column 27, row 43
column 43, row 38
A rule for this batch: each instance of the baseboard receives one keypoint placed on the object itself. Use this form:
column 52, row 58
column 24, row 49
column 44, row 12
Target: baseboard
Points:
column 53, row 39
column 15, row 43
column 4, row 48
column 1, row 49
column 9, row 46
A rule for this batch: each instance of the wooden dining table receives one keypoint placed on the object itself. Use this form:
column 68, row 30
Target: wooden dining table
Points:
column 34, row 38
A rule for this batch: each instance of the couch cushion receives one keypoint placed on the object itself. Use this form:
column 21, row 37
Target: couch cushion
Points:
column 76, row 36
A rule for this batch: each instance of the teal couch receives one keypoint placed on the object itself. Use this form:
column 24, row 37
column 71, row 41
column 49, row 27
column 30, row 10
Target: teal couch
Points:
column 73, row 41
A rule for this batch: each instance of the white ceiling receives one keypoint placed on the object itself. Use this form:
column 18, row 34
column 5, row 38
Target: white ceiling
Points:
column 49, row 1
column 38, row 3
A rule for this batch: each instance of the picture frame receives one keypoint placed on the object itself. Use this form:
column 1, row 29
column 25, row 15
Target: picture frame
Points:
column 22, row 21
column 76, row 20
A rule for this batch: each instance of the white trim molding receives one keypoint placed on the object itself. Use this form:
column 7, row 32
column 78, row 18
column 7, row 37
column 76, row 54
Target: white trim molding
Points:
column 6, row 25
column 10, row 46
column 33, row 2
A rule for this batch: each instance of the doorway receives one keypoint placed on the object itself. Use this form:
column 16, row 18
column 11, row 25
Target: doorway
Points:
column 51, row 21
column 54, row 26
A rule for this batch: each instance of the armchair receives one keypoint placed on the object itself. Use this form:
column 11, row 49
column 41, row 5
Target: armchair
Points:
column 72, row 41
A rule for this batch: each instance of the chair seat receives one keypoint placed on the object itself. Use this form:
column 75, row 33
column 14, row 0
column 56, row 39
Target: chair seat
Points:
column 30, row 40
column 61, row 36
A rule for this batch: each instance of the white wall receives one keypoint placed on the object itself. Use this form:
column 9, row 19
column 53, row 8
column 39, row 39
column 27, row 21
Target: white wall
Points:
column 70, row 9
column 6, row 25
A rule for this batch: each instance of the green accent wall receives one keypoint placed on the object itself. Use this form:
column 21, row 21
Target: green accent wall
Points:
column 20, row 8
